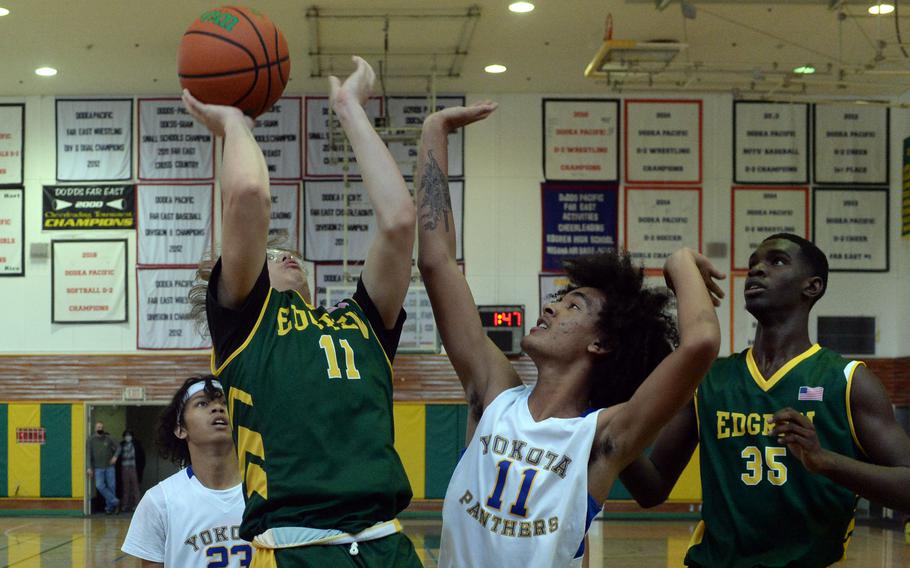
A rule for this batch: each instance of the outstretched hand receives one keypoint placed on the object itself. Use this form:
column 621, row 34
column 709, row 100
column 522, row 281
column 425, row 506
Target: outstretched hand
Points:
column 356, row 88
column 708, row 273
column 213, row 117
column 453, row 118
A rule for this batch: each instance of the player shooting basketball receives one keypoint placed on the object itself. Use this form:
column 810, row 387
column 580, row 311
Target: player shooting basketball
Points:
column 309, row 389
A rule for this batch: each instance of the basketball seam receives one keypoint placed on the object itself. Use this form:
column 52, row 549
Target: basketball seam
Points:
column 227, row 73
column 265, row 49
column 284, row 83
column 228, row 40
column 236, row 44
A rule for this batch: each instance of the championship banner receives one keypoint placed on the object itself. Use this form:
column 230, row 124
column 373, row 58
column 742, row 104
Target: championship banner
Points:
column 174, row 225
column 905, row 198
column 172, row 145
column 759, row 212
column 663, row 141
column 659, row 221
column 742, row 324
column 284, row 227
column 88, row 281
column 278, row 133
column 578, row 219
column 581, row 139
column 334, row 283
column 81, row 207
column 851, row 144
column 12, row 231
column 851, row 226
column 327, row 149
column 770, row 142
column 324, row 220
column 94, row 139
column 164, row 310
column 408, row 113
column 12, row 143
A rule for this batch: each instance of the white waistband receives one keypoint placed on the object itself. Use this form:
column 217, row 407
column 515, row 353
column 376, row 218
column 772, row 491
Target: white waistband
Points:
column 287, row 537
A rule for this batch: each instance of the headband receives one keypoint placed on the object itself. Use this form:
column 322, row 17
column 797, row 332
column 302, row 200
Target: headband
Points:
column 196, row 387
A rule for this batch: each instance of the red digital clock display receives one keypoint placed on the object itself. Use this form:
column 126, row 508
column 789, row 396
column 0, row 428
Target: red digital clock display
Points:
column 501, row 318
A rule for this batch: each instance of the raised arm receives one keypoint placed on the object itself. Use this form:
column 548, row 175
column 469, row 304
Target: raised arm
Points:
column 885, row 476
column 482, row 368
column 387, row 271
column 651, row 478
column 245, row 199
column 626, row 429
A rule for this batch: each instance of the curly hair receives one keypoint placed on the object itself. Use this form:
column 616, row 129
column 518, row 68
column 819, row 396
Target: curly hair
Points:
column 170, row 447
column 633, row 322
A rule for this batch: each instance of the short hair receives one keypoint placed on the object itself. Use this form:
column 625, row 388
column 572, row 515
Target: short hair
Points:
column 634, row 324
column 170, row 447
column 815, row 259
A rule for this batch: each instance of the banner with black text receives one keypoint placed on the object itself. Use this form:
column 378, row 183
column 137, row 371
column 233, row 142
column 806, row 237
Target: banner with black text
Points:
column 407, row 114
column 333, row 232
column 851, row 144
column 770, row 142
column 174, row 226
column 851, row 227
column 327, row 150
column 659, row 221
column 284, row 228
column 94, row 139
column 164, row 310
column 759, row 212
column 172, row 145
column 277, row 131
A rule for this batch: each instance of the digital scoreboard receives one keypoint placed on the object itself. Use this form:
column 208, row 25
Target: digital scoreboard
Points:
column 505, row 325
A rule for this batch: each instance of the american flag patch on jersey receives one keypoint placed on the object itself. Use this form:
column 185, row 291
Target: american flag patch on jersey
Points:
column 811, row 393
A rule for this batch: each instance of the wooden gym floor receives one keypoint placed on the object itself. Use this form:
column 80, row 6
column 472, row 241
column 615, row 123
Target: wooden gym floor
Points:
column 63, row 542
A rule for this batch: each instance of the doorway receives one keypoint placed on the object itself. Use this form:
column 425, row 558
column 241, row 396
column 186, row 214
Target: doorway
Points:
column 142, row 420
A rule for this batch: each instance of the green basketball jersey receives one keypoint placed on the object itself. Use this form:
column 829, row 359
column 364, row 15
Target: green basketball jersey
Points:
column 761, row 507
column 310, row 399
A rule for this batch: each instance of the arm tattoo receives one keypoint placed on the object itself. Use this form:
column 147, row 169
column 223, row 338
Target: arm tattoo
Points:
column 436, row 202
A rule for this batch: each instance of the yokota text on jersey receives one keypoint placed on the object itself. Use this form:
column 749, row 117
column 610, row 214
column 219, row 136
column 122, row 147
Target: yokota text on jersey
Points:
column 515, row 453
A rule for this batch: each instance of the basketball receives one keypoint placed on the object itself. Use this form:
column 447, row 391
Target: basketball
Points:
column 234, row 56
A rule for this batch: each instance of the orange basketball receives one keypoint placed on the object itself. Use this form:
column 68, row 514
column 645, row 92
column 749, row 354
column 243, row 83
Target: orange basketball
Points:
column 234, row 56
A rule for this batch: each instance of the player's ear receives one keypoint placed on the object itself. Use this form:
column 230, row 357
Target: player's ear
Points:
column 180, row 432
column 599, row 347
column 814, row 287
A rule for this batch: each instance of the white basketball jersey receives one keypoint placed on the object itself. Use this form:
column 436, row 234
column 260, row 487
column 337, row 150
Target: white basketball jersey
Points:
column 183, row 524
column 519, row 494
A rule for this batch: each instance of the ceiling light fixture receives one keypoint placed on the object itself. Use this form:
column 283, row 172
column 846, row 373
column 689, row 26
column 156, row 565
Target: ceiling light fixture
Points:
column 495, row 68
column 3, row 11
column 46, row 71
column 881, row 9
column 804, row 70
column 521, row 7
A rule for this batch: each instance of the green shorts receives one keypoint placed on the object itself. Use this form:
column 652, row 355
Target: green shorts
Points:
column 393, row 551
